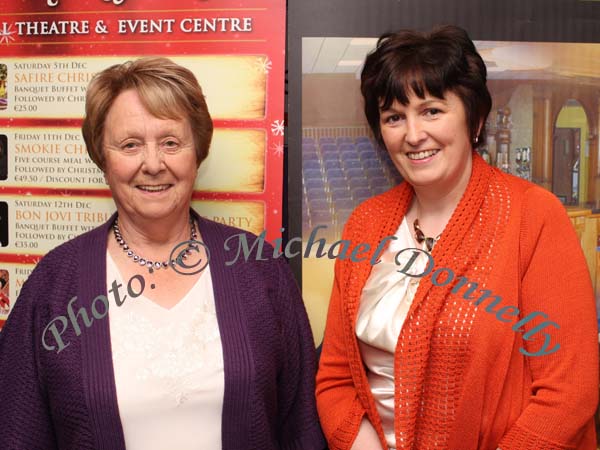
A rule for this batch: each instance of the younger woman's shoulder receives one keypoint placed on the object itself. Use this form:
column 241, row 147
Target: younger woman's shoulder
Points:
column 530, row 197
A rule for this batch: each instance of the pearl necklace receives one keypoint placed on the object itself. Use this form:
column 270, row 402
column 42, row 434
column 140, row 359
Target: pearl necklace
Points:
column 429, row 241
column 151, row 265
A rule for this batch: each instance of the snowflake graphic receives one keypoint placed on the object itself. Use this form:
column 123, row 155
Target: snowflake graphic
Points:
column 6, row 33
column 278, row 149
column 277, row 127
column 264, row 64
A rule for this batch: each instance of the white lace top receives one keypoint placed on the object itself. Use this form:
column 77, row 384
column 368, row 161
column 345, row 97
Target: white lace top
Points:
column 168, row 366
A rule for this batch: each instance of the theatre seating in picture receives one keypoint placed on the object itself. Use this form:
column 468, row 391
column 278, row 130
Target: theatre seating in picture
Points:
column 372, row 164
column 374, row 172
column 368, row 157
column 347, row 148
column 310, row 157
column 320, row 204
column 344, row 140
column 351, row 164
column 315, row 194
column 346, row 155
column 320, row 217
column 358, row 183
column 328, row 148
column 342, row 216
column 331, row 165
column 311, row 164
column 360, row 194
column 378, row 185
column 339, row 183
column 311, row 183
column 331, row 157
column 364, row 145
column 344, row 204
column 312, row 173
column 355, row 173
column 340, row 194
column 335, row 172
column 338, row 174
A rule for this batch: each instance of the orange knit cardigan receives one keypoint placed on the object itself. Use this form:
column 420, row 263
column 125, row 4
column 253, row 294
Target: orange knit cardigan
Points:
column 461, row 382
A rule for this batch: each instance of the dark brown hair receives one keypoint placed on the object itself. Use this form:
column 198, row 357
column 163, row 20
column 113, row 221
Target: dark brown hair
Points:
column 167, row 90
column 437, row 62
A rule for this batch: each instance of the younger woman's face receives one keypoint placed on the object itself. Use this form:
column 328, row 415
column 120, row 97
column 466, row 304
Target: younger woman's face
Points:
column 429, row 141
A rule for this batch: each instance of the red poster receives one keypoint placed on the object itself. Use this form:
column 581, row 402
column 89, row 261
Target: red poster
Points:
column 50, row 191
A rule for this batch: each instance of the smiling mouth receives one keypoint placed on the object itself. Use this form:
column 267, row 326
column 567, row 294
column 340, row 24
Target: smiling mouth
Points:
column 154, row 188
column 415, row 156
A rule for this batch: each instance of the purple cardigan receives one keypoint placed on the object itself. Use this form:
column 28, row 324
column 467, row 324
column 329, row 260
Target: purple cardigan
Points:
column 68, row 401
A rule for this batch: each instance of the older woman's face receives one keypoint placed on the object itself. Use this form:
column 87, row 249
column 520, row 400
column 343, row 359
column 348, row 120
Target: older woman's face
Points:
column 150, row 163
column 428, row 140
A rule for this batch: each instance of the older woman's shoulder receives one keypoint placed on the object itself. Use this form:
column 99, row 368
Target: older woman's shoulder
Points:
column 60, row 264
column 89, row 242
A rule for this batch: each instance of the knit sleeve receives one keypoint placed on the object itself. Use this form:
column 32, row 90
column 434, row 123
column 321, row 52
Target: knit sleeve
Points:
column 338, row 404
column 26, row 420
column 562, row 343
column 299, row 427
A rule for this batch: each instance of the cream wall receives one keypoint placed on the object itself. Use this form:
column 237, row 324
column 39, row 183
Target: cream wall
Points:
column 331, row 100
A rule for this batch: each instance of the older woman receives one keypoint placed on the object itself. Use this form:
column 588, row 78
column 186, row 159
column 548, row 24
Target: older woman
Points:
column 476, row 328
column 219, row 358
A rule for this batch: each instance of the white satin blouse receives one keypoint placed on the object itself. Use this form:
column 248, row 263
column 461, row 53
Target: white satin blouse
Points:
column 384, row 305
